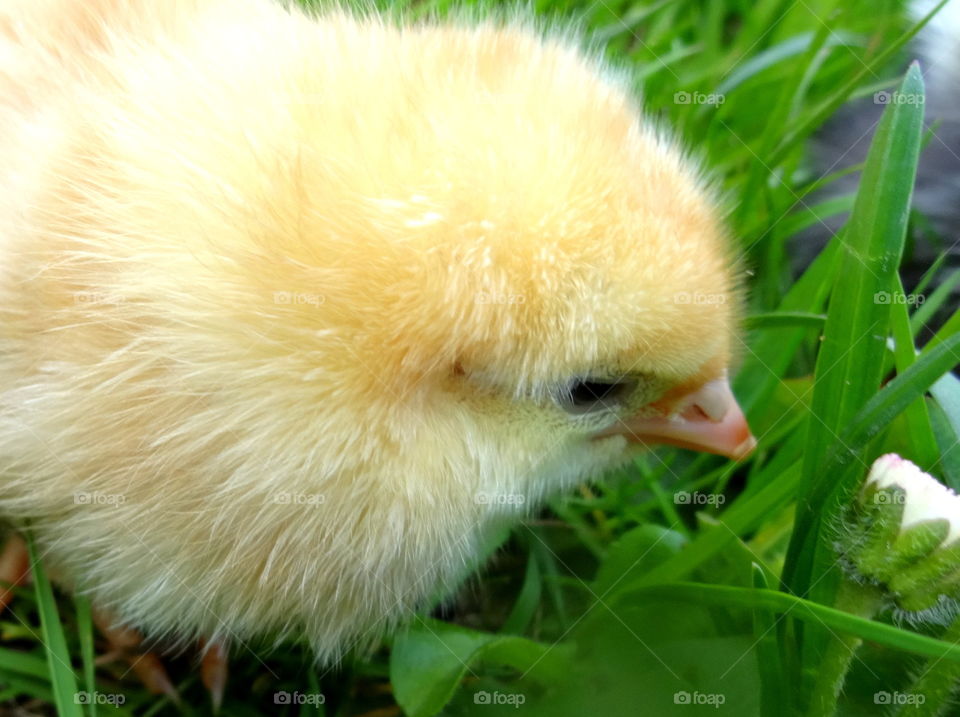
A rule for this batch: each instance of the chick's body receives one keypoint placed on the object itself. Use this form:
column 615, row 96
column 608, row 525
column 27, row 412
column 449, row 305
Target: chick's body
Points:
column 284, row 300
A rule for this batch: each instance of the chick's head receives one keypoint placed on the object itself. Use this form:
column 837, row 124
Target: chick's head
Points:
column 535, row 264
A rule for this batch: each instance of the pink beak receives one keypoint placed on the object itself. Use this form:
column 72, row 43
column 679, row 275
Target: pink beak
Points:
column 706, row 419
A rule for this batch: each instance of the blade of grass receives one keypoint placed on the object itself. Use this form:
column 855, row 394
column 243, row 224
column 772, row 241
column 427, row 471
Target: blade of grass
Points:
column 551, row 573
column 806, row 610
column 35, row 689
column 757, row 188
column 780, row 319
column 767, row 358
column 931, row 305
column 318, row 709
column 23, row 663
column 85, row 631
column 850, row 360
column 816, row 214
column 881, row 409
column 743, row 515
column 817, row 118
column 919, row 428
column 527, row 601
column 628, row 22
column 945, row 418
column 774, row 690
column 62, row 678
column 876, row 415
column 950, row 328
column 843, row 464
column 931, row 272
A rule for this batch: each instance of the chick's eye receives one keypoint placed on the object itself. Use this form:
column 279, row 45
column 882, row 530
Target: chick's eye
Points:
column 586, row 395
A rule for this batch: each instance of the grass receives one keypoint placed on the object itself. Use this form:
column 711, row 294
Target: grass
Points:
column 622, row 599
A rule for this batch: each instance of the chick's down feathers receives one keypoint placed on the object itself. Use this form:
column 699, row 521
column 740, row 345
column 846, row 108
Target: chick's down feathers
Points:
column 292, row 309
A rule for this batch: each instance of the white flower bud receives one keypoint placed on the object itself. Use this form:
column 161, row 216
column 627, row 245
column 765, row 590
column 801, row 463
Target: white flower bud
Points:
column 924, row 497
column 903, row 535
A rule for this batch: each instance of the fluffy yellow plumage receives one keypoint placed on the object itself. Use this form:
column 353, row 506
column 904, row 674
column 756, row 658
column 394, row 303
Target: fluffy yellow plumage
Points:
column 293, row 310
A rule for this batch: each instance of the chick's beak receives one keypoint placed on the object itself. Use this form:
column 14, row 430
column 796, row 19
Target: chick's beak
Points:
column 705, row 419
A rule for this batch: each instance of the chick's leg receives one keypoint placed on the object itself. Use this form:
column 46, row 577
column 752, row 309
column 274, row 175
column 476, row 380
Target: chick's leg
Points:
column 15, row 570
column 213, row 670
column 145, row 665
column 124, row 641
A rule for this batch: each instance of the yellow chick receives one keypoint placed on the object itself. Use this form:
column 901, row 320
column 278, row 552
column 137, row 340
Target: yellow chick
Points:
column 293, row 310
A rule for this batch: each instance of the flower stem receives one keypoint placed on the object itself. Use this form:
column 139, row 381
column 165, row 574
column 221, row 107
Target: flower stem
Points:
column 931, row 692
column 861, row 600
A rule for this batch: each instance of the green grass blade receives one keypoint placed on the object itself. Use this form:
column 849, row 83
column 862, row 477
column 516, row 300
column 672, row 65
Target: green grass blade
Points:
column 744, row 515
column 851, row 356
column 17, row 684
column 62, row 678
column 23, row 663
column 945, row 417
column 772, row 677
column 85, row 630
column 806, row 610
column 932, row 304
column 767, row 358
column 919, row 429
column 822, row 113
column 950, row 328
column 527, row 601
column 845, row 469
column 780, row 319
column 875, row 416
column 931, row 272
column 816, row 214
